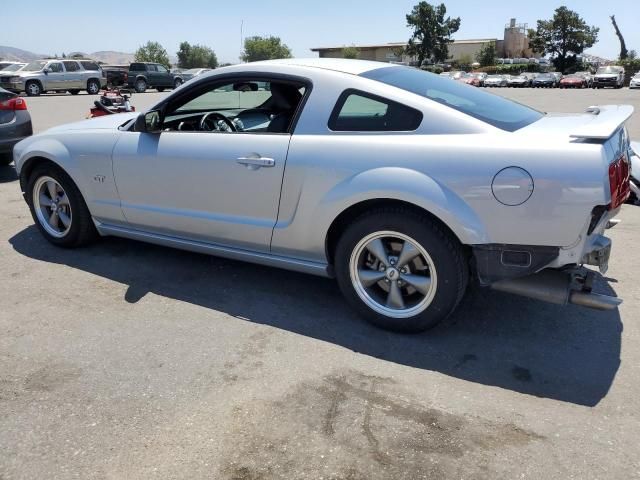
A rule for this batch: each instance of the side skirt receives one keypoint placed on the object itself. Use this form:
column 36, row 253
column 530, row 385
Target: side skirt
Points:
column 296, row 265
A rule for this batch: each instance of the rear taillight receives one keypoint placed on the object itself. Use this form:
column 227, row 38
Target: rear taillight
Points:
column 619, row 177
column 15, row 103
column 126, row 77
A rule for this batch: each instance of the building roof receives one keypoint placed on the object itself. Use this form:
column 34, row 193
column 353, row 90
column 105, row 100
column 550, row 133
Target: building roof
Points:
column 401, row 44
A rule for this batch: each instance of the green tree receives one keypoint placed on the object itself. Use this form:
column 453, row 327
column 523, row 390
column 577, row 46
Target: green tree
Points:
column 196, row 56
column 350, row 52
column 152, row 52
column 563, row 37
column 486, row 57
column 431, row 32
column 264, row 48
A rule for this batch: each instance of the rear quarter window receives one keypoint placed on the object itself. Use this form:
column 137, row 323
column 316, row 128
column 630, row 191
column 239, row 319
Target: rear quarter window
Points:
column 90, row 66
column 358, row 111
column 137, row 67
column 487, row 107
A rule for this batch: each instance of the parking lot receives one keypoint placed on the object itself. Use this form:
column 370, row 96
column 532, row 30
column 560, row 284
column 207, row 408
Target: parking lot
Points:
column 126, row 360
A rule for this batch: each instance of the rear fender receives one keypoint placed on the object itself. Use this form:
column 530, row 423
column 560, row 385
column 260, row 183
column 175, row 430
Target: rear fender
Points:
column 408, row 186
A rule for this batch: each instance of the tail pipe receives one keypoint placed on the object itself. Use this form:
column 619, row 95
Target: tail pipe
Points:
column 555, row 286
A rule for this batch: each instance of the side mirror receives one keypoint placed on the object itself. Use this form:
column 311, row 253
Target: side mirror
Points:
column 149, row 122
column 46, row 71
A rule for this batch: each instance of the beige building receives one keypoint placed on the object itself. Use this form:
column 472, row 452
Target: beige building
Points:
column 515, row 44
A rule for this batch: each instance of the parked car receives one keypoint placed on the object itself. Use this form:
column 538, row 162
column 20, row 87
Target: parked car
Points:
column 545, row 80
column 494, row 194
column 14, row 67
column 192, row 73
column 55, row 76
column 496, row 81
column 635, row 173
column 481, row 76
column 117, row 75
column 588, row 78
column 15, row 123
column 469, row 79
column 573, row 81
column 519, row 81
column 144, row 75
column 635, row 81
column 6, row 64
column 610, row 76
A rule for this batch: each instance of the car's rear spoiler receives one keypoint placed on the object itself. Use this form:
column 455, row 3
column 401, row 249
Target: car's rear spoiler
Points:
column 603, row 121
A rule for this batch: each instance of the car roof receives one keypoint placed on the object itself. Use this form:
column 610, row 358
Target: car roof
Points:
column 353, row 67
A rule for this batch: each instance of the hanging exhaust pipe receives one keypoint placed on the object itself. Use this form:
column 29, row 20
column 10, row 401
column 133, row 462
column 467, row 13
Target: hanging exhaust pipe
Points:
column 554, row 286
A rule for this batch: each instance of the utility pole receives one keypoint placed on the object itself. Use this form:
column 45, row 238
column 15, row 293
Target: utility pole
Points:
column 241, row 37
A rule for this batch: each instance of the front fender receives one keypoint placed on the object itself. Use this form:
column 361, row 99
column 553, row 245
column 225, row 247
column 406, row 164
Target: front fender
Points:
column 39, row 147
column 409, row 186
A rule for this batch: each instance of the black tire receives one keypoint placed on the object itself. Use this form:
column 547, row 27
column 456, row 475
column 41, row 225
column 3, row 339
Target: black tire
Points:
column 177, row 83
column 160, row 89
column 5, row 159
column 93, row 87
column 82, row 230
column 445, row 251
column 33, row 88
column 74, row 92
column 140, row 85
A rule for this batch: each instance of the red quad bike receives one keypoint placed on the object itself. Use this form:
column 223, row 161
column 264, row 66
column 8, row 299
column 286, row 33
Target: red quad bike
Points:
column 112, row 101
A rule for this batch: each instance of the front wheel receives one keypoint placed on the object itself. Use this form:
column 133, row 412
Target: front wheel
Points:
column 33, row 89
column 58, row 209
column 400, row 270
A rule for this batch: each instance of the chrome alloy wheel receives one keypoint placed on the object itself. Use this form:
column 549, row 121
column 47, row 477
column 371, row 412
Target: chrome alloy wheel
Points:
column 393, row 274
column 52, row 207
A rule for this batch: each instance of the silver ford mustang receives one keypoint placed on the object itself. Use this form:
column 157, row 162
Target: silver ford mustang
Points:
column 400, row 184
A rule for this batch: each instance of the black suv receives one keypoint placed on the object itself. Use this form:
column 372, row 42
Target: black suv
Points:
column 143, row 75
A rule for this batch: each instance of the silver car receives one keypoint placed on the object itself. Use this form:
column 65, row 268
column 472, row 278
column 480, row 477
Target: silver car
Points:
column 401, row 184
column 55, row 76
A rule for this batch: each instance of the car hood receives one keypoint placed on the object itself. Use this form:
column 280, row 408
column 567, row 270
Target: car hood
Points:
column 106, row 122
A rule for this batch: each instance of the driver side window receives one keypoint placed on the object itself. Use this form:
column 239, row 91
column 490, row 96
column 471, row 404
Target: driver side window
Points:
column 241, row 106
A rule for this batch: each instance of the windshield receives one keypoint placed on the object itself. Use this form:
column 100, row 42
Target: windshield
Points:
column 489, row 108
column 13, row 68
column 609, row 70
column 34, row 66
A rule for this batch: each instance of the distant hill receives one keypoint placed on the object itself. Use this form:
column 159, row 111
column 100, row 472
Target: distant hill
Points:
column 106, row 56
column 18, row 55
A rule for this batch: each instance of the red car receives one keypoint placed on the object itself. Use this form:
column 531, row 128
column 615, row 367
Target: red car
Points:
column 573, row 81
column 470, row 79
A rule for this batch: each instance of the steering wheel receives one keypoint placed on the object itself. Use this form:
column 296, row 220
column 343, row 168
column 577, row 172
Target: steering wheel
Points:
column 210, row 123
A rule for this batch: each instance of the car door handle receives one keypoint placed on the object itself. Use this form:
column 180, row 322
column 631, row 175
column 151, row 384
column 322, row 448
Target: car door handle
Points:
column 254, row 163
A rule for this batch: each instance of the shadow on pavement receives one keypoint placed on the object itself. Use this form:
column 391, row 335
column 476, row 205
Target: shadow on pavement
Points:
column 569, row 354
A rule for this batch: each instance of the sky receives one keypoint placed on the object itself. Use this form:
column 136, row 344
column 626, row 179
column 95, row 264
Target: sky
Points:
column 55, row 27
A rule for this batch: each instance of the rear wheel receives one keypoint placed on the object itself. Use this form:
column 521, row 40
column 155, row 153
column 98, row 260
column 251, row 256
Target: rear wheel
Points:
column 141, row 85
column 5, row 159
column 93, row 87
column 400, row 270
column 58, row 209
column 177, row 82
